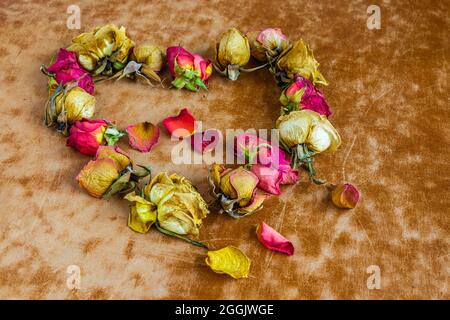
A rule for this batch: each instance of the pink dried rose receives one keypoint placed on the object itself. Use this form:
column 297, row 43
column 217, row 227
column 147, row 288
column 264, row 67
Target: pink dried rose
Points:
column 67, row 69
column 142, row 136
column 190, row 71
column 272, row 240
column 268, row 43
column 180, row 126
column 345, row 196
column 261, row 153
column 301, row 94
column 88, row 135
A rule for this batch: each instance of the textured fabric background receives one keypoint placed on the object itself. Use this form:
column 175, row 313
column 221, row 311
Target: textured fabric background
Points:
column 389, row 93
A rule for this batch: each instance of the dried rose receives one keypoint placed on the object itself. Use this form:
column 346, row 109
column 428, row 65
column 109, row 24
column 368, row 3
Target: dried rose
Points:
column 272, row 240
column 66, row 69
column 229, row 260
column 111, row 171
column 302, row 94
column 235, row 190
column 172, row 203
column 307, row 133
column 142, row 136
column 232, row 52
column 298, row 59
column 268, row 43
column 103, row 50
column 189, row 71
column 67, row 104
column 254, row 149
column 180, row 126
column 88, row 135
column 345, row 196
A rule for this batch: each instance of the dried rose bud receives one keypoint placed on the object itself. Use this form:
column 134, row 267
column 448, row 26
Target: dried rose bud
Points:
column 190, row 71
column 235, row 190
column 66, row 105
column 345, row 196
column 268, row 43
column 301, row 94
column 232, row 52
column 298, row 59
column 111, row 171
column 152, row 58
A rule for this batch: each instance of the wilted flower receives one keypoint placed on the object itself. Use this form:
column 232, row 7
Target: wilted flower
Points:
column 268, row 43
column 235, row 190
column 66, row 69
column 190, row 71
column 172, row 203
column 270, row 163
column 298, row 59
column 272, row 240
column 306, row 133
column 229, row 260
column 152, row 58
column 142, row 136
column 88, row 135
column 345, row 196
column 182, row 125
column 232, row 52
column 301, row 94
column 110, row 172
column 102, row 50
column 67, row 104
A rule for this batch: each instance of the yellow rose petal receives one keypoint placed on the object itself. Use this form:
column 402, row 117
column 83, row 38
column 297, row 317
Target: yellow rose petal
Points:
column 229, row 260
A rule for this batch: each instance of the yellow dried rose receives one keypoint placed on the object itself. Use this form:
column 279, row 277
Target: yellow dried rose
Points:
column 235, row 190
column 102, row 49
column 229, row 260
column 298, row 59
column 111, row 171
column 171, row 203
column 67, row 104
column 306, row 133
column 232, row 52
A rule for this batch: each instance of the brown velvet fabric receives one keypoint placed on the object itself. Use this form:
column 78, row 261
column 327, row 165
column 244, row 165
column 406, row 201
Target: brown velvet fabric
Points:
column 389, row 94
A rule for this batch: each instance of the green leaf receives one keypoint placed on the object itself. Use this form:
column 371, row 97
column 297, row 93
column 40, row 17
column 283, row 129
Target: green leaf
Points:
column 200, row 83
column 112, row 135
column 179, row 82
column 117, row 185
column 190, row 86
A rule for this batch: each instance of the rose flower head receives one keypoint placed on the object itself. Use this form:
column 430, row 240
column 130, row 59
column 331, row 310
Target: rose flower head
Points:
column 235, row 190
column 301, row 94
column 67, row 104
column 111, row 171
column 298, row 59
column 267, row 44
column 190, row 71
column 170, row 202
column 232, row 52
column 88, row 135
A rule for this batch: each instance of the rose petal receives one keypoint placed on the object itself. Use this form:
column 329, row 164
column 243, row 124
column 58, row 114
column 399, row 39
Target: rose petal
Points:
column 97, row 176
column 272, row 240
column 142, row 136
column 229, row 260
column 119, row 156
column 244, row 183
column 254, row 204
column 269, row 178
column 180, row 126
column 205, row 141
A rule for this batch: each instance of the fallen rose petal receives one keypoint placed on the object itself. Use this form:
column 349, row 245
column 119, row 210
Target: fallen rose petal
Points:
column 205, row 141
column 229, row 260
column 345, row 196
column 142, row 136
column 272, row 240
column 182, row 125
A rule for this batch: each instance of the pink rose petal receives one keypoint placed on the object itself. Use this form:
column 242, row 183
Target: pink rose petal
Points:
column 180, row 126
column 272, row 240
